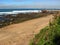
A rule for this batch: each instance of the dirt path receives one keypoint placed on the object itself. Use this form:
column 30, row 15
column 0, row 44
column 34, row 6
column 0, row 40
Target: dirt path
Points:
column 20, row 34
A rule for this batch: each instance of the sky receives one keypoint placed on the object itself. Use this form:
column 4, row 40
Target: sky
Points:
column 4, row 4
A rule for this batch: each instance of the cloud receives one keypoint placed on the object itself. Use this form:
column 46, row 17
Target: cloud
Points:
column 27, row 6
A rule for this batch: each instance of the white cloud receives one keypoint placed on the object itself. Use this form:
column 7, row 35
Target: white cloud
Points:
column 27, row 6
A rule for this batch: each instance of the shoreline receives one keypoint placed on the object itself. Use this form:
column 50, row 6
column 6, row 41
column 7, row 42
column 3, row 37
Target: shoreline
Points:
column 6, row 20
column 23, row 11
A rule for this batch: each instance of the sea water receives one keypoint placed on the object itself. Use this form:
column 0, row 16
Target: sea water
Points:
column 16, row 11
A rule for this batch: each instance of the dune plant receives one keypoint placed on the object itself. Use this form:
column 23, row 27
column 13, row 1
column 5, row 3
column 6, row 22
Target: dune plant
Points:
column 49, row 35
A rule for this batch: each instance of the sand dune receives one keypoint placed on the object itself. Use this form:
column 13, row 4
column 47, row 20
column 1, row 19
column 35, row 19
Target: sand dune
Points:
column 22, row 33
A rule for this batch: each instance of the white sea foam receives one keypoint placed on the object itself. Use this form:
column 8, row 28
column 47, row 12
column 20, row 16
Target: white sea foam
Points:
column 16, row 12
column 1, row 13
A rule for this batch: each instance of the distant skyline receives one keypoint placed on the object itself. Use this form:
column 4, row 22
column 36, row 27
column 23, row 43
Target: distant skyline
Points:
column 4, row 4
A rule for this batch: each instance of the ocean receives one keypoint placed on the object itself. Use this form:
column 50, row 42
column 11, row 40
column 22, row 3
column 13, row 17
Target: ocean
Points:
column 9, row 10
column 15, row 11
column 22, row 10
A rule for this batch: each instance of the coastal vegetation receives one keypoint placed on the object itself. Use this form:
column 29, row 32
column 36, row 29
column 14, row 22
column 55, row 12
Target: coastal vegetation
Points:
column 50, row 35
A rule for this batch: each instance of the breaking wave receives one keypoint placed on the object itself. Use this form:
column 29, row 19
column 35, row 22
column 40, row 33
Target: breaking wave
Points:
column 16, row 12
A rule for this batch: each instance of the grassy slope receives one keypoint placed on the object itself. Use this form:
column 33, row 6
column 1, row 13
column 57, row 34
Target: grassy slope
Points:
column 50, row 35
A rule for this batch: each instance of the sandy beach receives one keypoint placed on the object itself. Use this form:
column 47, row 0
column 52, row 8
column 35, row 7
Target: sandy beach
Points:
column 22, row 33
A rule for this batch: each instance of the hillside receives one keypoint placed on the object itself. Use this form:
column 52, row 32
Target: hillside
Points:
column 22, row 33
column 49, row 35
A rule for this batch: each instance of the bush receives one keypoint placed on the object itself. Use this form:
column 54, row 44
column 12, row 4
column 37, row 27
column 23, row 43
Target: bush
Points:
column 49, row 35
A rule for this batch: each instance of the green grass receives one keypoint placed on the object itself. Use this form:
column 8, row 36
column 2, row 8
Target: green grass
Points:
column 49, row 35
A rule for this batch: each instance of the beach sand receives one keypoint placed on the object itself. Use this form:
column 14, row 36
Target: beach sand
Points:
column 22, row 33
